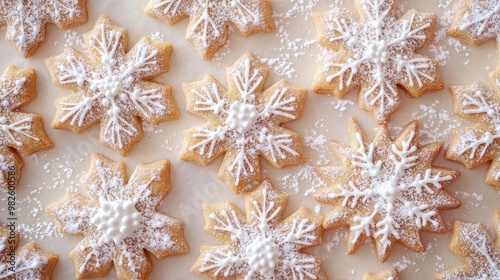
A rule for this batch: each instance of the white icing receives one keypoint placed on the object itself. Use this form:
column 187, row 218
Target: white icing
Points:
column 117, row 219
column 28, row 264
column 246, row 125
column 483, row 257
column 480, row 104
column 264, row 248
column 379, row 47
column 113, row 87
column 207, row 20
column 22, row 127
column 482, row 19
column 390, row 188
column 24, row 19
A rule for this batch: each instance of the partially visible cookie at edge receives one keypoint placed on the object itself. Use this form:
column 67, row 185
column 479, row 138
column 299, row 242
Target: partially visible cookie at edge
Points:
column 209, row 20
column 20, row 132
column 27, row 262
column 476, row 248
column 26, row 20
column 475, row 21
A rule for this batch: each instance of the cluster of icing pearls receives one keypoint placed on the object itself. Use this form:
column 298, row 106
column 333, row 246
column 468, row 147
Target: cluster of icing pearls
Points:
column 379, row 48
column 214, row 15
column 9, row 92
column 245, row 122
column 114, row 85
column 25, row 17
column 389, row 191
column 117, row 219
column 482, row 18
column 263, row 248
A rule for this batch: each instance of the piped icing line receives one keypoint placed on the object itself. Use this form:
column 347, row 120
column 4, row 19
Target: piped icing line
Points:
column 244, row 122
column 209, row 19
column 386, row 190
column 26, row 20
column 20, row 132
column 115, row 91
column 262, row 246
column 376, row 55
column 119, row 219
column 478, row 143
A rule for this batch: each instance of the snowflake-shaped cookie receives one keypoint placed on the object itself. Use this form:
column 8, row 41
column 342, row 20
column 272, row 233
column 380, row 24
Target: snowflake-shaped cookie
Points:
column 262, row 245
column 119, row 220
column 480, row 143
column 19, row 131
column 376, row 54
column 113, row 87
column 476, row 21
column 26, row 20
column 387, row 190
column 27, row 263
column 209, row 19
column 473, row 245
column 388, row 274
column 243, row 122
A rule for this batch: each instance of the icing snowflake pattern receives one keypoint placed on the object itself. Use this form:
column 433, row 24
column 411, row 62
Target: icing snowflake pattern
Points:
column 376, row 55
column 26, row 20
column 119, row 220
column 386, row 190
column 262, row 246
column 209, row 19
column 479, row 143
column 476, row 22
column 115, row 90
column 244, row 123
column 31, row 263
column 19, row 131
column 473, row 245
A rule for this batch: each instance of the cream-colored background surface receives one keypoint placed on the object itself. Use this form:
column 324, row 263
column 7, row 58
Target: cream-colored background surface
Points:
column 48, row 175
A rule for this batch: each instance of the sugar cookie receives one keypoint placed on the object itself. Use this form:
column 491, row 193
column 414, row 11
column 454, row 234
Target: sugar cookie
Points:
column 113, row 87
column 476, row 21
column 209, row 19
column 26, row 20
column 479, row 143
column 20, row 132
column 376, row 55
column 119, row 220
column 243, row 122
column 474, row 246
column 386, row 190
column 262, row 245
column 30, row 262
